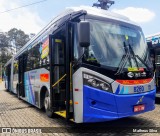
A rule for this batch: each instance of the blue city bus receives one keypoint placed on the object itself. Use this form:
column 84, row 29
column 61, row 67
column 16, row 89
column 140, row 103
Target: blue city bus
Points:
column 153, row 42
column 86, row 65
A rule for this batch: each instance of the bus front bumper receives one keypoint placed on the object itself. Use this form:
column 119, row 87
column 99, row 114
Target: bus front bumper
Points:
column 100, row 106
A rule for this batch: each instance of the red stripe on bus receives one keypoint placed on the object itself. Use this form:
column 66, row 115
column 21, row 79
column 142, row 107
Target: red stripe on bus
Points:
column 134, row 82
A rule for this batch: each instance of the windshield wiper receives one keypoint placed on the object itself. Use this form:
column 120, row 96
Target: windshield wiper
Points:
column 124, row 59
column 148, row 68
column 134, row 56
column 126, row 50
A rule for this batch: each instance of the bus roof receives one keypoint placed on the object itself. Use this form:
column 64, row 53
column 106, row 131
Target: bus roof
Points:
column 152, row 36
column 69, row 11
column 103, row 13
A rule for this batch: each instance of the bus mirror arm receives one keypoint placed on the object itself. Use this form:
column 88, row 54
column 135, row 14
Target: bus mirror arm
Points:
column 81, row 57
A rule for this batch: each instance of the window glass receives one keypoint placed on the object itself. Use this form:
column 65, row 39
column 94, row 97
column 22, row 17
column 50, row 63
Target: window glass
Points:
column 38, row 56
column 15, row 71
column 108, row 42
column 6, row 71
column 75, row 45
column 43, row 53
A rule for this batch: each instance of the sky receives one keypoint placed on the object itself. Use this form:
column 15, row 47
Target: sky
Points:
column 33, row 18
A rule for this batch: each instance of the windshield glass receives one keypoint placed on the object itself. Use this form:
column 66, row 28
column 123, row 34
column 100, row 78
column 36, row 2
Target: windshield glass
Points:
column 107, row 44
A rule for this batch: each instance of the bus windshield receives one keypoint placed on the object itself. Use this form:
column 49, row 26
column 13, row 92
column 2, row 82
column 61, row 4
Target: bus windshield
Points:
column 107, row 44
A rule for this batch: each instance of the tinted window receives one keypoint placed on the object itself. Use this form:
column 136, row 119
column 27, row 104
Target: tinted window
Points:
column 38, row 56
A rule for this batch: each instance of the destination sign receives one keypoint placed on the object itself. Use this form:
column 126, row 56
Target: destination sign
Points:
column 155, row 41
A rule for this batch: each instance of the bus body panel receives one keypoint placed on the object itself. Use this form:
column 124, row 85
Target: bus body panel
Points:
column 126, row 103
column 98, row 105
column 102, row 106
column 95, row 105
column 78, row 95
column 34, row 81
column 133, row 86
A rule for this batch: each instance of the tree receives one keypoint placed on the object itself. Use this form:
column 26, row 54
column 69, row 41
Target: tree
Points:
column 5, row 55
column 9, row 41
column 18, row 38
column 4, row 41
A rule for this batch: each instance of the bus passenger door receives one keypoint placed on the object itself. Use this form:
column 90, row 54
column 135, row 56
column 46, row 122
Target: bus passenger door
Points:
column 21, row 91
column 58, row 71
column 9, row 77
column 58, row 76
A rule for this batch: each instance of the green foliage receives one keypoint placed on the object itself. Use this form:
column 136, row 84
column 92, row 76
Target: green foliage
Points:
column 13, row 37
column 18, row 37
column 4, row 45
column 4, row 41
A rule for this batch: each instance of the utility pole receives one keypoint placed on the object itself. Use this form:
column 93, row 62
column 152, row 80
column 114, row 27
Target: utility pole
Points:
column 104, row 4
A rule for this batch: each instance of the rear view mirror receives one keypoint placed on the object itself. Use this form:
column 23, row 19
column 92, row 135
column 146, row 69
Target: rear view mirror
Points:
column 84, row 34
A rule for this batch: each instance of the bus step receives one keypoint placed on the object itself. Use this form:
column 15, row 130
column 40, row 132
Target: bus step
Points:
column 63, row 114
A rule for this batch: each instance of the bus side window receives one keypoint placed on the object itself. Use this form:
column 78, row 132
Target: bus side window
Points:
column 28, row 61
column 15, row 67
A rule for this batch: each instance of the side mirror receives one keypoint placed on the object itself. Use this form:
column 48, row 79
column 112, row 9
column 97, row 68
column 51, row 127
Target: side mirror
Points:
column 84, row 34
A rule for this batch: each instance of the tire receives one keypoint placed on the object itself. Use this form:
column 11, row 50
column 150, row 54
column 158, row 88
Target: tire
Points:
column 18, row 92
column 46, row 105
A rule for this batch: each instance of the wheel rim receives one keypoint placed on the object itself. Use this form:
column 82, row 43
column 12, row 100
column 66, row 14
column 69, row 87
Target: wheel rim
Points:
column 46, row 103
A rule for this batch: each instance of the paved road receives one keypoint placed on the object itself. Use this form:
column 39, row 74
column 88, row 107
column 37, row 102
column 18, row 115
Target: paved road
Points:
column 17, row 113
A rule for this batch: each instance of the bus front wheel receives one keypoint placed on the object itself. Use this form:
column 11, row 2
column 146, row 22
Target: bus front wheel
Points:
column 47, row 105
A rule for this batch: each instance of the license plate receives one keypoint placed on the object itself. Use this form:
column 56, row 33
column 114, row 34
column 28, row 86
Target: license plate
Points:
column 139, row 108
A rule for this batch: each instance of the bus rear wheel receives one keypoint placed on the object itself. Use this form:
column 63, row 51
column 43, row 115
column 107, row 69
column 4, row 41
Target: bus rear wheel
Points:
column 47, row 105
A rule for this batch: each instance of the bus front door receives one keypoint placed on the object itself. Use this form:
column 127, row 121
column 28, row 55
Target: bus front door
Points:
column 58, row 74
column 59, row 81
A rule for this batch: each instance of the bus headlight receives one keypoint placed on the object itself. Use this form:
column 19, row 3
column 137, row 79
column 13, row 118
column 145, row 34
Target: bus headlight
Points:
column 96, row 82
column 93, row 82
column 105, row 86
